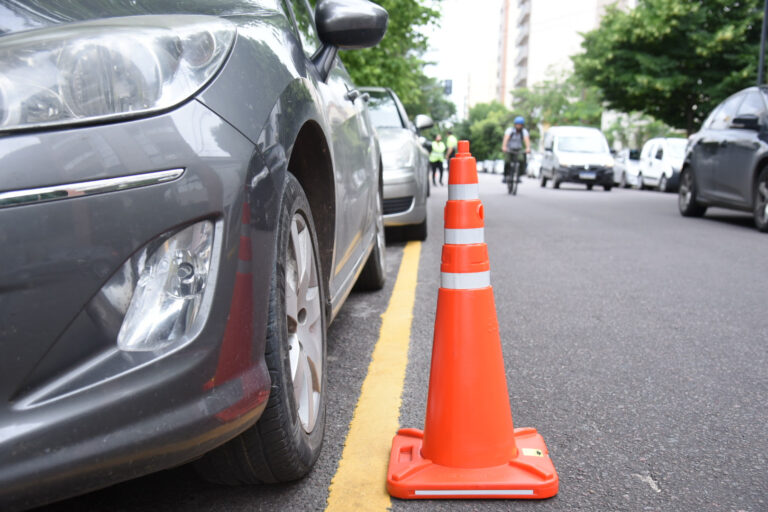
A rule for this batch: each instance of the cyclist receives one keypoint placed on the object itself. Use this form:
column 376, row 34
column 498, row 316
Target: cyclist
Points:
column 515, row 139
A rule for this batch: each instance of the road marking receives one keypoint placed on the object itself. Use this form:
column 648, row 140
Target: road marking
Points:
column 360, row 481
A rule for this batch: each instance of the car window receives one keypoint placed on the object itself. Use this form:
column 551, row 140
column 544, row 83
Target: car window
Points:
column 581, row 144
column 305, row 23
column 660, row 153
column 753, row 104
column 634, row 154
column 726, row 112
column 383, row 110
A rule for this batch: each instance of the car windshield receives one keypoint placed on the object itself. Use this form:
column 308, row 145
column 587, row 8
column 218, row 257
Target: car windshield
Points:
column 677, row 148
column 383, row 111
column 634, row 154
column 581, row 144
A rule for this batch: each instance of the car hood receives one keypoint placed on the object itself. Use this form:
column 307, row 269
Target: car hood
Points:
column 573, row 158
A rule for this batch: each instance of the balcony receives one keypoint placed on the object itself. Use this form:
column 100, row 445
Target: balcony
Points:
column 522, row 35
column 523, row 14
column 521, row 57
column 521, row 77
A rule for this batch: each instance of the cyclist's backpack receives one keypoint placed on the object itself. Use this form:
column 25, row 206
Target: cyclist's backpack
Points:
column 515, row 142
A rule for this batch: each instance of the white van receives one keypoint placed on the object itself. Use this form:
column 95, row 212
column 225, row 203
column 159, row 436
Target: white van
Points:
column 576, row 154
column 660, row 162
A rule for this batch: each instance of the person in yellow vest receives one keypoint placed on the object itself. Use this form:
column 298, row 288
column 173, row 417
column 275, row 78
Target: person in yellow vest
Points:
column 436, row 158
column 452, row 143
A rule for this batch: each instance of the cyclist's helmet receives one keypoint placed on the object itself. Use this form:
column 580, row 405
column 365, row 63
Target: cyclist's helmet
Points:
column 519, row 120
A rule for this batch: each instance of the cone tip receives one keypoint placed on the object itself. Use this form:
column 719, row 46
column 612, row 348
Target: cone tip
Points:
column 463, row 146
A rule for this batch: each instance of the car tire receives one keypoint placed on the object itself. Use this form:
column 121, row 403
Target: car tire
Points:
column 589, row 186
column 640, row 185
column 555, row 182
column 663, row 185
column 543, row 181
column 687, row 196
column 374, row 272
column 607, row 188
column 623, row 183
column 761, row 201
column 285, row 442
column 417, row 231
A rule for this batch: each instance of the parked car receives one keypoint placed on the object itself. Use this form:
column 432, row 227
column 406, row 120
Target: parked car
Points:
column 725, row 164
column 188, row 192
column 576, row 154
column 660, row 162
column 406, row 162
column 534, row 164
column 626, row 167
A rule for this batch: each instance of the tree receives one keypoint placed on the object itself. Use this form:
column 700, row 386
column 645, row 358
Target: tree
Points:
column 485, row 129
column 673, row 59
column 397, row 62
column 558, row 100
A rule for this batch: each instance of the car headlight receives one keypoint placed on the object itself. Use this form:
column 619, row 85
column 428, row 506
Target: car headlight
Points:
column 400, row 159
column 105, row 69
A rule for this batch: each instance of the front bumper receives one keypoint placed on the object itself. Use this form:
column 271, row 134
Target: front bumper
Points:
column 76, row 413
column 596, row 175
column 405, row 201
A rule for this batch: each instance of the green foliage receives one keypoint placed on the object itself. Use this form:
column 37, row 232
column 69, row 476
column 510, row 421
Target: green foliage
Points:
column 673, row 59
column 396, row 62
column 559, row 100
column 485, row 129
column 633, row 130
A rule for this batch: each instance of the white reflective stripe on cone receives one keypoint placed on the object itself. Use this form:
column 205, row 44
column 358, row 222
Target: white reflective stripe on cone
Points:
column 463, row 192
column 474, row 492
column 464, row 236
column 465, row 280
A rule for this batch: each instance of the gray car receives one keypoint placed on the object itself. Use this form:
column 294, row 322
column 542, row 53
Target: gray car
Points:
column 188, row 193
column 406, row 162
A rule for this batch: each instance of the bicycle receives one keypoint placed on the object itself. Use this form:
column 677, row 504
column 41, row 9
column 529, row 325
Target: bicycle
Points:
column 513, row 177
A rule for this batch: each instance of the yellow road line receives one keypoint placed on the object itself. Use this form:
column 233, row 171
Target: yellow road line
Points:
column 360, row 481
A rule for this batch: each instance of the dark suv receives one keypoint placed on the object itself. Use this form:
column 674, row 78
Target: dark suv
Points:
column 726, row 164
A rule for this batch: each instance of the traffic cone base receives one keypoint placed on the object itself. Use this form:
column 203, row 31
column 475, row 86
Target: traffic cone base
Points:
column 528, row 475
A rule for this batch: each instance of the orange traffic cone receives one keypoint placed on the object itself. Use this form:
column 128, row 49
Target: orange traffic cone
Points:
column 469, row 447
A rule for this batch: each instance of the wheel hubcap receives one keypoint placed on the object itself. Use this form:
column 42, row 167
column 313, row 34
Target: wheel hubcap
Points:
column 685, row 191
column 305, row 325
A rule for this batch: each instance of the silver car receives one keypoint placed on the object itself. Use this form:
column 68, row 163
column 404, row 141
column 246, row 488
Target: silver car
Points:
column 405, row 161
column 188, row 193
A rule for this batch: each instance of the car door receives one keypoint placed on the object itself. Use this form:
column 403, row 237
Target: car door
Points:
column 710, row 151
column 646, row 155
column 547, row 163
column 657, row 162
column 733, row 177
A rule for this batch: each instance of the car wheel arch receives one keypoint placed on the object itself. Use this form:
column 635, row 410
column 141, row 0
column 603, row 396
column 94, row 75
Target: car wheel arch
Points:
column 762, row 163
column 310, row 163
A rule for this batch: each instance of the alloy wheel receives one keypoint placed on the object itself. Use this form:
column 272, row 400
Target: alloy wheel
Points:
column 685, row 194
column 305, row 327
column 762, row 199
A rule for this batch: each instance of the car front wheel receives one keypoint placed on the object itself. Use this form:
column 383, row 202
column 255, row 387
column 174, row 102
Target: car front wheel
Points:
column 663, row 183
column 761, row 201
column 686, row 196
column 285, row 443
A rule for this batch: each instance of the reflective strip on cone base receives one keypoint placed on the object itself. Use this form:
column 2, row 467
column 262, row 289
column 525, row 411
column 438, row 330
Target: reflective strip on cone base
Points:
column 465, row 281
column 464, row 236
column 463, row 192
column 480, row 492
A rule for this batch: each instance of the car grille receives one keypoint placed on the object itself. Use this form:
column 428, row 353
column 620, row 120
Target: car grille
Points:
column 593, row 168
column 397, row 205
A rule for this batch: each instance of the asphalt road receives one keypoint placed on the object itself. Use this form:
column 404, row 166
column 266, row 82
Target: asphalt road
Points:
column 635, row 342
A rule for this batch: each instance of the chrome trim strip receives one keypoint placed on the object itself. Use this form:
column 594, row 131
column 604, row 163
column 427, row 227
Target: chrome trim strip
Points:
column 85, row 188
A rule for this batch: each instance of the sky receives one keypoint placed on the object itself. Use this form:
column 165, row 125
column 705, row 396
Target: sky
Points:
column 466, row 42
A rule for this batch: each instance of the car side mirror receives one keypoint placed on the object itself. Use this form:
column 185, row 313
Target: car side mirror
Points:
column 746, row 122
column 346, row 24
column 423, row 122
